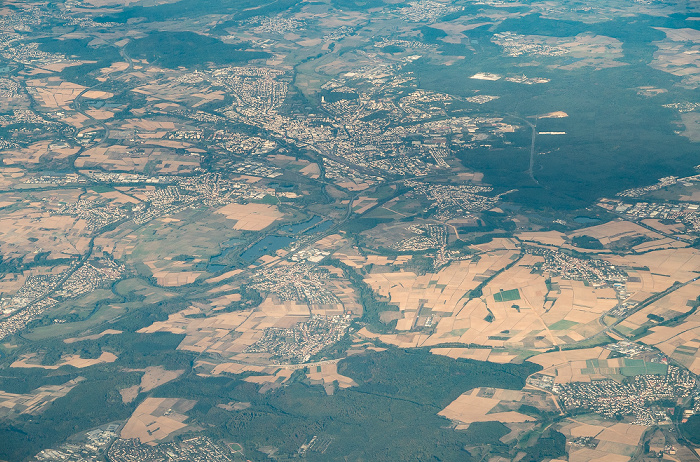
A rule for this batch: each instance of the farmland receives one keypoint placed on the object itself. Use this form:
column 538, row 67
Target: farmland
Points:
column 349, row 230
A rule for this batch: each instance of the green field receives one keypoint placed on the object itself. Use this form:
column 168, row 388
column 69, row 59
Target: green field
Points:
column 507, row 295
column 629, row 368
column 563, row 325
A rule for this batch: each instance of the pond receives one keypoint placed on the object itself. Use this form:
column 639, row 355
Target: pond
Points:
column 586, row 220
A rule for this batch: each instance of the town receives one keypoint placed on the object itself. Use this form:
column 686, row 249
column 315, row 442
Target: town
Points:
column 299, row 343
column 636, row 398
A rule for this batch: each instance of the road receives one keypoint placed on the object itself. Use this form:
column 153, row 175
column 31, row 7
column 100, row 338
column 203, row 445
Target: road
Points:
column 77, row 101
column 637, row 308
column 650, row 228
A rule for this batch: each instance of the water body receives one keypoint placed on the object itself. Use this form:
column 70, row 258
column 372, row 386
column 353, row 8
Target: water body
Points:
column 299, row 227
column 319, row 228
column 310, row 226
column 266, row 246
column 586, row 220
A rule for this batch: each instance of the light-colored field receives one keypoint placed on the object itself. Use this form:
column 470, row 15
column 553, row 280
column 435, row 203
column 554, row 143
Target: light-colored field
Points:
column 124, row 158
column 99, row 114
column 75, row 119
column 225, row 300
column 66, row 360
column 549, row 238
column 156, row 418
column 470, row 407
column 556, row 358
column 553, row 115
column 478, row 354
column 96, row 94
column 678, row 54
column 676, row 303
column 311, row 170
column 169, row 89
column 650, row 91
column 598, row 367
column 665, row 267
column 53, row 93
column 664, row 228
column 38, row 152
column 527, row 322
column 615, row 230
column 228, row 335
column 168, row 279
column 92, row 337
column 327, row 374
column 270, row 382
column 29, row 228
column 588, row 50
column 691, row 124
column 440, row 291
column 11, row 282
column 616, row 441
column 226, row 275
column 331, row 242
column 35, row 402
column 623, row 433
column 251, row 217
column 681, row 342
column 154, row 376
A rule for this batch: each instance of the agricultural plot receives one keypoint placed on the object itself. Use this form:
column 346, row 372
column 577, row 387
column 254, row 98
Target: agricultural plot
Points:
column 31, row 228
column 156, row 419
column 593, row 364
column 251, row 217
column 93, row 336
column 326, row 374
column 169, row 89
column 42, row 151
column 35, row 402
column 506, row 295
column 245, row 340
column 584, row 50
column 125, row 158
column 617, row 231
column 494, row 405
column 53, row 93
column 680, row 342
column 76, row 361
column 531, row 316
column 153, row 377
column 615, row 442
column 677, row 54
column 171, row 248
column 673, row 306
column 664, row 268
